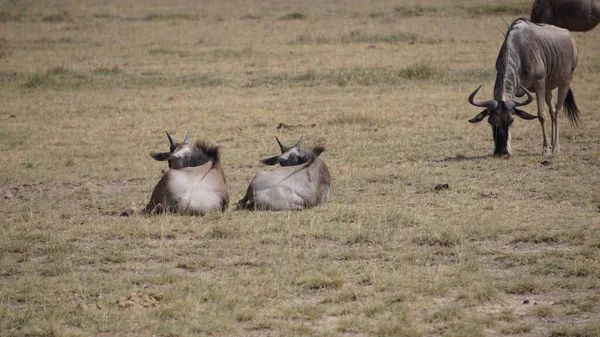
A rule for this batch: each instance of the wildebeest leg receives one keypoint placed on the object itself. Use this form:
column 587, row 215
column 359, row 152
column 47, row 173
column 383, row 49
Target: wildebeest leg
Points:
column 158, row 209
column 552, row 111
column 148, row 209
column 560, row 102
column 243, row 203
column 541, row 105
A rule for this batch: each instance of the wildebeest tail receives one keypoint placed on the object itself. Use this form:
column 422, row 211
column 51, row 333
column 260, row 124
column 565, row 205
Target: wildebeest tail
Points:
column 571, row 109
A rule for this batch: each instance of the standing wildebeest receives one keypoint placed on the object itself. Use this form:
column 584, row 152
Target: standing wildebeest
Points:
column 574, row 15
column 533, row 57
column 194, row 183
column 301, row 181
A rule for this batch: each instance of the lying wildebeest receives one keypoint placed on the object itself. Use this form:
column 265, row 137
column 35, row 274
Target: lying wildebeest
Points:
column 533, row 57
column 301, row 181
column 194, row 183
column 574, row 15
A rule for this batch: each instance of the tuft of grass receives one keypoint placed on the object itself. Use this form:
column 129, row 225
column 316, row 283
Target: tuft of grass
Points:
column 356, row 36
column 448, row 314
column 293, row 16
column 440, row 239
column 107, row 71
column 589, row 330
column 480, row 294
column 516, row 329
column 543, row 311
column 318, row 281
column 37, row 80
column 221, row 54
column 538, row 237
column 529, row 286
column 507, row 315
column 252, row 16
column 170, row 16
column 416, row 10
column 105, row 16
column 352, row 119
column 419, row 71
column 59, row 17
column 58, row 76
column 515, row 8
column 10, row 17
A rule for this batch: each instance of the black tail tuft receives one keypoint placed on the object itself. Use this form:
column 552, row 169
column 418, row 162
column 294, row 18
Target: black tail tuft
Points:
column 571, row 108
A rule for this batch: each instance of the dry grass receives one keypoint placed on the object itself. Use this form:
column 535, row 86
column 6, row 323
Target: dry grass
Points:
column 511, row 247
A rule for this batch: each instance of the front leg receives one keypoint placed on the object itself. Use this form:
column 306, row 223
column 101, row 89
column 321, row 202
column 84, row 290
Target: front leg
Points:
column 541, row 105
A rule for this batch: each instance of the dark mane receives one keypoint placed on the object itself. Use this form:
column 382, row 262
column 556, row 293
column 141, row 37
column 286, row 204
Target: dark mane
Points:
column 317, row 150
column 208, row 150
column 503, row 58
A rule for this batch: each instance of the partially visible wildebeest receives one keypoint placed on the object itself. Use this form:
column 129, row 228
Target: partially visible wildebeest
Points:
column 301, row 181
column 533, row 57
column 194, row 183
column 574, row 15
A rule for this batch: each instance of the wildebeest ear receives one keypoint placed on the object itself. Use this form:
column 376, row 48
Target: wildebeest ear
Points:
column 160, row 156
column 270, row 161
column 480, row 116
column 524, row 115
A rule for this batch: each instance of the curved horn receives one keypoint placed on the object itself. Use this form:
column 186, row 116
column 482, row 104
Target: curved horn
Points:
column 491, row 104
column 281, row 145
column 171, row 141
column 527, row 101
column 187, row 137
column 299, row 142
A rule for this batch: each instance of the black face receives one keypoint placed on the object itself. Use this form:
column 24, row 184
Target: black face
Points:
column 292, row 156
column 501, row 120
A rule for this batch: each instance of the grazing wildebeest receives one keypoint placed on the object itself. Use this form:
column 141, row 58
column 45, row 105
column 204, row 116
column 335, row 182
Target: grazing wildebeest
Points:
column 194, row 183
column 301, row 181
column 574, row 15
column 533, row 57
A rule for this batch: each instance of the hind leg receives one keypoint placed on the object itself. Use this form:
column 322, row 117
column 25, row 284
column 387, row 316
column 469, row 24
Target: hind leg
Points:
column 552, row 111
column 560, row 102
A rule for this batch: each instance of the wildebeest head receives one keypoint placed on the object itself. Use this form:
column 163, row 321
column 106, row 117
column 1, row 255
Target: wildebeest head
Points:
column 184, row 154
column 289, row 155
column 500, row 116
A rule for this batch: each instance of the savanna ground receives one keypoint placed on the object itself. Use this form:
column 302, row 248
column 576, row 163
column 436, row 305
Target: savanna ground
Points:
column 88, row 88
